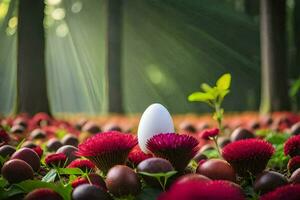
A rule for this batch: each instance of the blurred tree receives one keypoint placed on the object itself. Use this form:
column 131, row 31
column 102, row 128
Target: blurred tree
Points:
column 31, row 76
column 114, row 55
column 274, row 91
column 296, row 26
column 252, row 7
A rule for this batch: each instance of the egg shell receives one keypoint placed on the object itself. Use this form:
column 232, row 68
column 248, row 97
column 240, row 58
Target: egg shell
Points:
column 155, row 120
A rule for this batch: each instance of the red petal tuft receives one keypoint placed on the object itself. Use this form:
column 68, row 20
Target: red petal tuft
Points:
column 107, row 149
column 56, row 159
column 178, row 149
column 292, row 146
column 137, row 155
column 209, row 133
column 39, row 151
column 287, row 192
column 294, row 163
column 250, row 155
column 194, row 190
column 84, row 165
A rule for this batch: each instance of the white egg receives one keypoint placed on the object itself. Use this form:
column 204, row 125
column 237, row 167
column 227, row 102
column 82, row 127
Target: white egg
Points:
column 156, row 119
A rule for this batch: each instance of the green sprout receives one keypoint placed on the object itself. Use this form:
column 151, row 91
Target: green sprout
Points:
column 214, row 96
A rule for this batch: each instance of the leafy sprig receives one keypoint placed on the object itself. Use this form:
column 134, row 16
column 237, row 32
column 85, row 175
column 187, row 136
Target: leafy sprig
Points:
column 214, row 96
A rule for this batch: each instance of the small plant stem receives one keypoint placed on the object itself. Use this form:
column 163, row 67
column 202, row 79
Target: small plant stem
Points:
column 215, row 139
column 161, row 183
column 59, row 177
column 219, row 116
column 88, row 178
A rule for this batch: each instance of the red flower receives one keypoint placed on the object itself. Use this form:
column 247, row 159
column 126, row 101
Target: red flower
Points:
column 56, row 159
column 79, row 181
column 209, row 133
column 38, row 150
column 294, row 163
column 94, row 178
column 178, row 149
column 292, row 146
column 249, row 155
column 195, row 189
column 84, row 165
column 287, row 192
column 107, row 149
column 137, row 155
column 4, row 137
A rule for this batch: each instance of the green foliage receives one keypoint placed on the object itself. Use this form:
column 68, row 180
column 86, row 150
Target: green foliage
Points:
column 50, row 176
column 70, row 171
column 294, row 93
column 60, row 133
column 3, row 182
column 148, row 194
column 295, row 88
column 20, row 144
column 279, row 160
column 162, row 178
column 211, row 153
column 214, row 96
column 29, row 185
column 276, row 138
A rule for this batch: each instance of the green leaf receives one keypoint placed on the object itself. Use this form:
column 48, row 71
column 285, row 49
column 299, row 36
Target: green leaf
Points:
column 162, row 178
column 206, row 88
column 148, row 194
column 10, row 192
column 3, row 160
column 50, row 176
column 223, row 93
column 211, row 153
column 159, row 175
column 200, row 96
column 223, row 83
column 29, row 185
column 70, row 171
column 279, row 160
column 295, row 88
column 3, row 182
column 72, row 178
column 61, row 133
column 276, row 138
column 20, row 144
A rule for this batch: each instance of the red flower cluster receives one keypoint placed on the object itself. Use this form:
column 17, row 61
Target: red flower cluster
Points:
column 84, row 165
column 137, row 155
column 38, row 150
column 4, row 137
column 195, row 189
column 178, row 149
column 107, row 149
column 209, row 133
column 250, row 155
column 56, row 159
column 294, row 163
column 292, row 146
column 95, row 179
column 287, row 192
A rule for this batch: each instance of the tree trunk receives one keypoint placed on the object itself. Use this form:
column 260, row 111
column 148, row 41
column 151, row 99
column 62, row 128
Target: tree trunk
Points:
column 31, row 73
column 114, row 55
column 274, row 92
